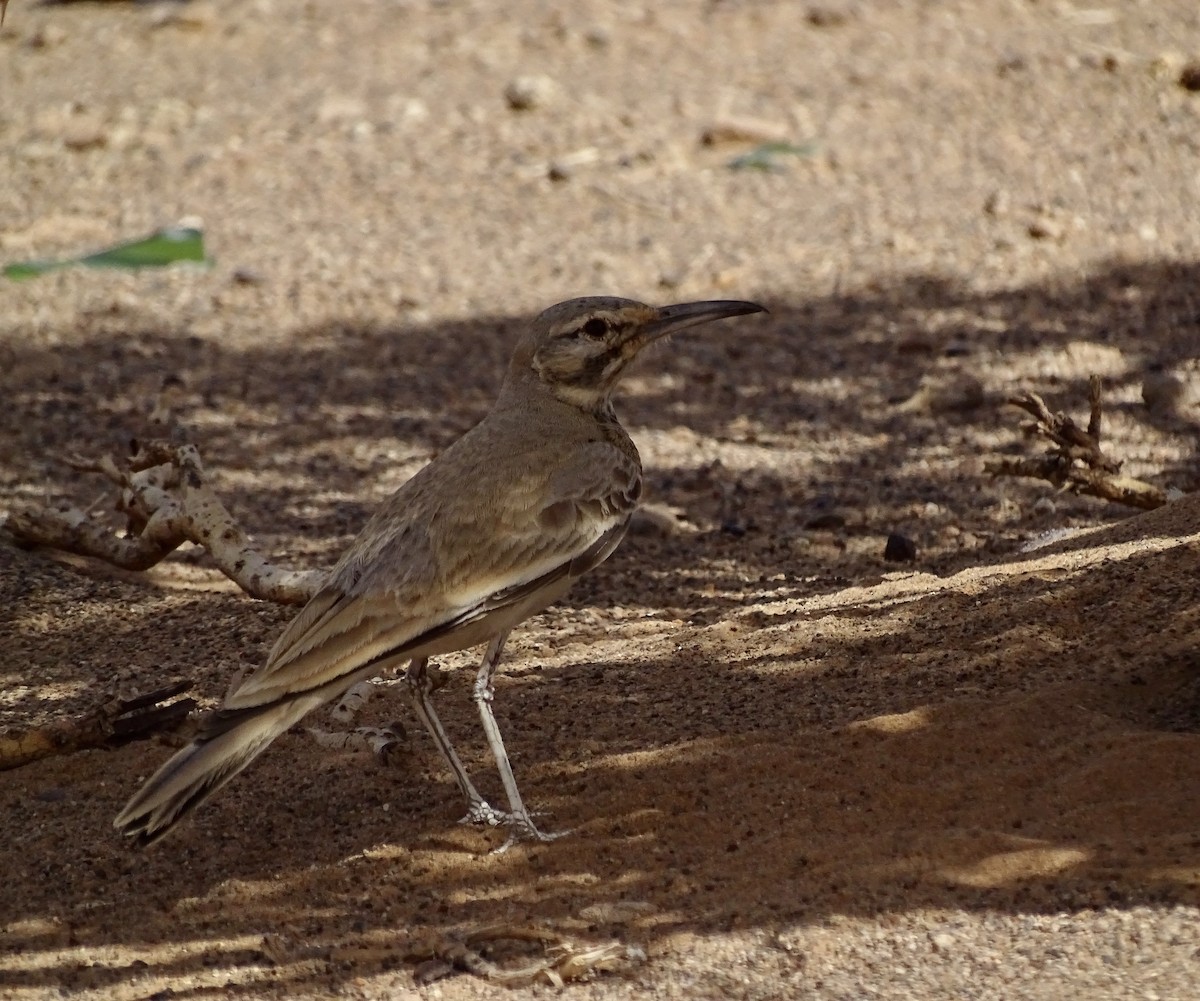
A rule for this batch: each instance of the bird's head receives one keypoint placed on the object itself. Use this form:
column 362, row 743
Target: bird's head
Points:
column 579, row 348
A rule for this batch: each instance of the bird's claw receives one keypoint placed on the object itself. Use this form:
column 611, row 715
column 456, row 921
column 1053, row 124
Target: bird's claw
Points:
column 485, row 815
column 522, row 829
column 520, row 826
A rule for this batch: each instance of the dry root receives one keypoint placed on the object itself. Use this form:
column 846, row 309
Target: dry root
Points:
column 385, row 742
column 1076, row 462
column 167, row 502
column 116, row 722
column 561, row 960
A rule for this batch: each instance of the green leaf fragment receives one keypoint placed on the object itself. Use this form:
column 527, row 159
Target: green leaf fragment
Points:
column 166, row 246
column 766, row 156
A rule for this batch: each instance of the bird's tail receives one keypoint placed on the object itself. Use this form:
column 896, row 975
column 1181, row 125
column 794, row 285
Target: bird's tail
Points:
column 230, row 740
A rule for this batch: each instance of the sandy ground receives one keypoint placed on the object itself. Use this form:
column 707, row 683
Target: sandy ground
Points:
column 792, row 769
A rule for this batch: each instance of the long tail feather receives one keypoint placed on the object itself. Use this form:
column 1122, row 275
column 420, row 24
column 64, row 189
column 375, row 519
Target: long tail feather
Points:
column 229, row 743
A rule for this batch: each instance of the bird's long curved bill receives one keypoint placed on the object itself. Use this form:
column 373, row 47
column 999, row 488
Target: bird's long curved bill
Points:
column 687, row 314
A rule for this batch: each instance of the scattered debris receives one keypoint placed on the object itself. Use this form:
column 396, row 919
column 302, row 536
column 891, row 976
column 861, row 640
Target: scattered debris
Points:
column 83, row 133
column 830, row 15
column 527, row 93
column 564, row 959
column 166, row 246
column 724, row 131
column 1046, row 228
column 660, row 519
column 616, row 912
column 998, row 203
column 381, row 741
column 1163, row 392
column 166, row 502
column 766, row 157
column 113, row 723
column 946, row 391
column 1076, row 462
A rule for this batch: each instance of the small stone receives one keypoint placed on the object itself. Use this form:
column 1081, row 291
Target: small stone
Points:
column 339, row 107
column 915, row 344
column 1162, row 392
column 1045, row 228
column 1189, row 77
column 942, row 942
column 247, row 276
column 430, row 970
column 1168, row 64
column 526, row 93
column 1044, row 506
column 659, row 519
column 598, row 36
column 997, row 203
column 829, row 15
column 902, row 242
column 84, row 134
column 724, row 131
column 46, row 37
column 826, row 520
column 1011, row 64
column 899, row 549
column 946, row 392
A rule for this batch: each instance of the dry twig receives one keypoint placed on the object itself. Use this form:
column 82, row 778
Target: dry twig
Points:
column 561, row 960
column 167, row 502
column 1076, row 462
column 112, row 724
column 385, row 742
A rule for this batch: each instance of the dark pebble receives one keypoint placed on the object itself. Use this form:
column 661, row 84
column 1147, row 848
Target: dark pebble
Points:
column 899, row 549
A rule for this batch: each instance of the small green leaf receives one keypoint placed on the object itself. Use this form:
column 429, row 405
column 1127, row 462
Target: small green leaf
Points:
column 154, row 251
column 766, row 156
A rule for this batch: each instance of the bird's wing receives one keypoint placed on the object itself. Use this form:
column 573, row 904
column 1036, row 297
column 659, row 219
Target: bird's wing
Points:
column 394, row 592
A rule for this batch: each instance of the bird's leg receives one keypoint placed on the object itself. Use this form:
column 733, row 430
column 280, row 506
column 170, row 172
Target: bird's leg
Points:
column 421, row 685
column 520, row 823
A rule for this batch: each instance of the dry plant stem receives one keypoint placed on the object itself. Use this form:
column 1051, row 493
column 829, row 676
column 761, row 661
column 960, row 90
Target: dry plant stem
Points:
column 167, row 501
column 384, row 742
column 1076, row 462
column 565, row 960
column 1071, row 440
column 1079, row 480
column 115, row 722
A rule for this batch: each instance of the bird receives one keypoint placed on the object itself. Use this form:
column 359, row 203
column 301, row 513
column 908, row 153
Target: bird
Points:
column 490, row 532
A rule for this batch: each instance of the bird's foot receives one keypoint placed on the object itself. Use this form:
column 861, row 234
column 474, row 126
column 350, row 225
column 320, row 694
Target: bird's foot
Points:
column 522, row 828
column 485, row 815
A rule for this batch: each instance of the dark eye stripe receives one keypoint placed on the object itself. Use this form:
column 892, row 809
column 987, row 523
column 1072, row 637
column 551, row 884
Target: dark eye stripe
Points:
column 591, row 372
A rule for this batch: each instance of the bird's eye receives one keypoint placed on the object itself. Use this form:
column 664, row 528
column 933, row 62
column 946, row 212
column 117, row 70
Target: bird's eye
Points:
column 595, row 327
